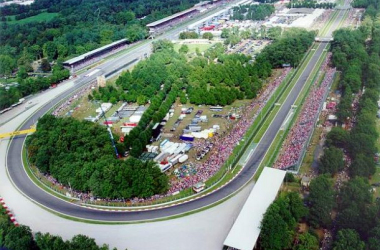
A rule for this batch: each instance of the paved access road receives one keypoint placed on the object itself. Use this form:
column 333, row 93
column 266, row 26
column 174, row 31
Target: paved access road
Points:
column 26, row 186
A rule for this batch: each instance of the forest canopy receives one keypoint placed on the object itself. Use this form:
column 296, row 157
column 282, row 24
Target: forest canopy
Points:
column 80, row 153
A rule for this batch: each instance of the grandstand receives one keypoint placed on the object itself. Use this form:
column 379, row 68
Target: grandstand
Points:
column 165, row 22
column 160, row 25
column 93, row 56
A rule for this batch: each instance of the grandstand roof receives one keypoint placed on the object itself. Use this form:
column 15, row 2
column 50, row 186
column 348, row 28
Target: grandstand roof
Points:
column 163, row 20
column 81, row 57
column 246, row 229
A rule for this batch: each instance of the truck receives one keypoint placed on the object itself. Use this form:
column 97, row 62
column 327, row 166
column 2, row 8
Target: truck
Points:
column 195, row 128
column 183, row 158
column 175, row 159
column 186, row 137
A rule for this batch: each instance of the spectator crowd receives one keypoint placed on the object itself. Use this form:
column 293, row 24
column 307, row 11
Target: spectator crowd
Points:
column 221, row 146
column 66, row 104
column 300, row 133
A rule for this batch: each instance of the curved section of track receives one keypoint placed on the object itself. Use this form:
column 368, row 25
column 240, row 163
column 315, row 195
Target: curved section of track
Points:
column 28, row 188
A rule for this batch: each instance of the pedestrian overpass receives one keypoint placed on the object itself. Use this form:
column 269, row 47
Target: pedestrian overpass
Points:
column 324, row 39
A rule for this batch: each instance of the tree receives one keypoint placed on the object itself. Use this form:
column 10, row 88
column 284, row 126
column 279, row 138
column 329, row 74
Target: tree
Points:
column 21, row 73
column 188, row 35
column 162, row 45
column 36, row 51
column 62, row 51
column 344, row 109
column 7, row 65
column 363, row 166
column 50, row 51
column 274, row 233
column 25, row 60
column 106, row 36
column 135, row 33
column 208, row 35
column 225, row 33
column 306, row 241
column 45, row 65
column 362, row 143
column 125, row 17
column 142, row 100
column 331, row 161
column 356, row 190
column 337, row 137
column 50, row 242
column 19, row 238
column 274, row 33
column 92, row 166
column 289, row 177
column 184, row 49
column 374, row 238
column 296, row 206
column 82, row 242
column 356, row 208
column 348, row 239
column 321, row 201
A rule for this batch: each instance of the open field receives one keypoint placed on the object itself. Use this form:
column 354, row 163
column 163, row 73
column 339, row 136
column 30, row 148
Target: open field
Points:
column 193, row 47
column 45, row 16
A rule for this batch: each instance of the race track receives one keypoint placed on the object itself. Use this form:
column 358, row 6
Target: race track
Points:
column 28, row 188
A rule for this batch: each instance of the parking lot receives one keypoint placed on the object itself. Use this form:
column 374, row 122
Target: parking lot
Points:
column 248, row 47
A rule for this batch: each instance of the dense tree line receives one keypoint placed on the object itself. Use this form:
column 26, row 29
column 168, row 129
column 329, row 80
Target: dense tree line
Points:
column 321, row 201
column 81, row 25
column 310, row 4
column 188, row 35
column 280, row 221
column 289, row 49
column 205, row 81
column 252, row 12
column 355, row 213
column 213, row 78
column 357, row 220
column 80, row 154
column 27, row 14
column 29, row 85
column 21, row 238
column 360, row 66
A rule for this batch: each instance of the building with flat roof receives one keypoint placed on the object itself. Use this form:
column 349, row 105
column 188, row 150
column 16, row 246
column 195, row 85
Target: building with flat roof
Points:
column 94, row 55
column 246, row 229
column 167, row 20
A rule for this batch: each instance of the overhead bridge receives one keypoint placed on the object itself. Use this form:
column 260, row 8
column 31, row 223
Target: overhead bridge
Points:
column 20, row 132
column 325, row 39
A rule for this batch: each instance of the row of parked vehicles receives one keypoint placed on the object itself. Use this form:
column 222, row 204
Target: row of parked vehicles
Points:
column 204, row 151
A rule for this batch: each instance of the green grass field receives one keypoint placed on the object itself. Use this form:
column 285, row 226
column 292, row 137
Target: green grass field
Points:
column 193, row 47
column 37, row 18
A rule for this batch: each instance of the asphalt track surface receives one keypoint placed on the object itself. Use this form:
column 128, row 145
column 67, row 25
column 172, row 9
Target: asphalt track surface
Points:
column 29, row 189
